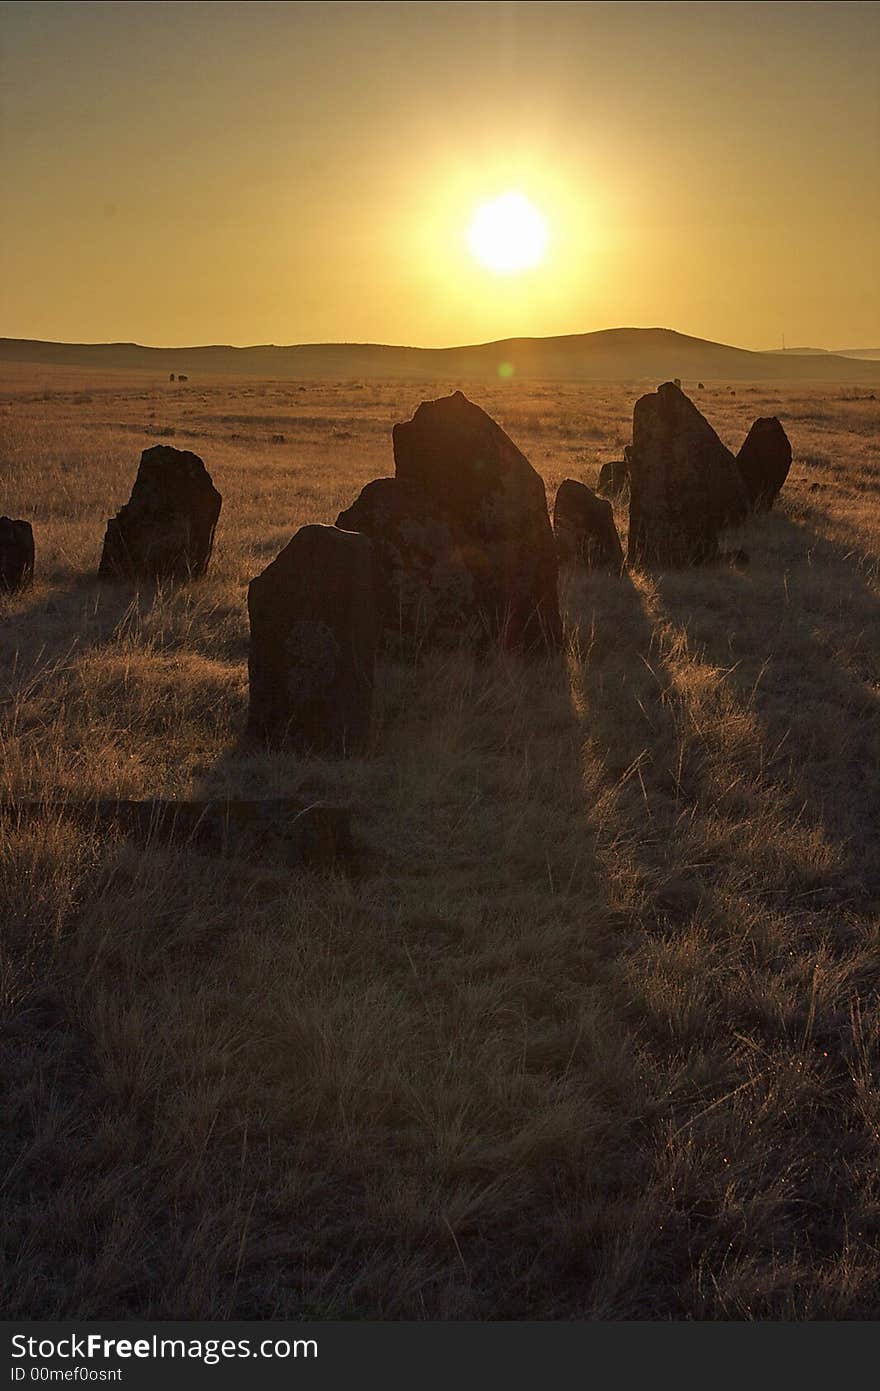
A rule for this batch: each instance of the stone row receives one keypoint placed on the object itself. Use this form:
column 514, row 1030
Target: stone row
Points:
column 455, row 547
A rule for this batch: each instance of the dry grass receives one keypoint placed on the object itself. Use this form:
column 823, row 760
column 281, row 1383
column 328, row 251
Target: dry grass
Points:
column 596, row 1036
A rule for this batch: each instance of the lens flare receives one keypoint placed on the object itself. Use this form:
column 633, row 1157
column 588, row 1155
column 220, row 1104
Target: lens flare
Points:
column 508, row 234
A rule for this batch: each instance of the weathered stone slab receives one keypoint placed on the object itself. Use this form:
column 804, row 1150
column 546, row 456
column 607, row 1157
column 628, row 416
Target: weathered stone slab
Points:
column 313, row 642
column 462, row 533
column 425, row 584
column 613, row 478
column 16, row 554
column 166, row 529
column 583, row 525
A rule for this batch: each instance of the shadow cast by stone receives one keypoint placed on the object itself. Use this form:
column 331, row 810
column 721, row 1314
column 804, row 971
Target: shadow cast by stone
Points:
column 47, row 627
column 285, row 831
column 782, row 631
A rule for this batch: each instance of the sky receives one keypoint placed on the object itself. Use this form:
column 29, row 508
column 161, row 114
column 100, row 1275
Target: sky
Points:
column 179, row 173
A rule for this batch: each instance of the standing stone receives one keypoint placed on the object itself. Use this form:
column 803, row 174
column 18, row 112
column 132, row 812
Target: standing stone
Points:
column 16, row 554
column 684, row 484
column 425, row 588
column 584, row 528
column 764, row 461
column 497, row 504
column 166, row 529
column 313, row 642
column 613, row 478
column 463, row 536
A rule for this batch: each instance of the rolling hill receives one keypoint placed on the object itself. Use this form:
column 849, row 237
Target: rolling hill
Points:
column 622, row 354
column 864, row 353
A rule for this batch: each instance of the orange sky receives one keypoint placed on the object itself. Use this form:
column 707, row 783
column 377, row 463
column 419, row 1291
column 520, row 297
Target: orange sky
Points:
column 188, row 173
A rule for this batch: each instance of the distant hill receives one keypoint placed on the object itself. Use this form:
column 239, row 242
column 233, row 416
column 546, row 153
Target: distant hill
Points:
column 620, row 354
column 803, row 352
column 865, row 354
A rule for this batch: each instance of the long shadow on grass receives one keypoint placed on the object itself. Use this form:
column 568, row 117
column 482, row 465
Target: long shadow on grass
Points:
column 632, row 731
column 797, row 634
column 408, row 1097
column 741, row 976
column 45, row 630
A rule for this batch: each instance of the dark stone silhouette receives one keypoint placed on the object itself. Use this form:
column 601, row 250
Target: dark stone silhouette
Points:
column 764, row 461
column 182, row 378
column 16, row 554
column 584, row 528
column 700, row 386
column 166, row 529
column 464, row 545
column 282, row 829
column 684, row 484
column 171, row 376
column 424, row 587
column 613, row 478
column 313, row 642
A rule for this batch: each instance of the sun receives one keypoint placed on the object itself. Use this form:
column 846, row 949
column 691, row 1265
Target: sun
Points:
column 508, row 234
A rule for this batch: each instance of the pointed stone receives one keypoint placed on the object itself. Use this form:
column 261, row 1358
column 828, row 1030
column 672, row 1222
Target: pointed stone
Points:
column 685, row 486
column 764, row 461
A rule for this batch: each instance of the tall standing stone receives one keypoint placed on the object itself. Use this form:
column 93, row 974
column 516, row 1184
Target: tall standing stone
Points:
column 764, row 461
column 685, row 486
column 313, row 643
column 462, row 532
column 16, row 554
column 166, row 529
column 583, row 525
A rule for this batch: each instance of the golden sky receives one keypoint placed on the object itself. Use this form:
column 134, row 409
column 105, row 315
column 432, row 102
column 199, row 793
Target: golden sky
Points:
column 178, row 173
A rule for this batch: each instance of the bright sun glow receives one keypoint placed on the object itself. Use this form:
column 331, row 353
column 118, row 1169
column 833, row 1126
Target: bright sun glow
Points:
column 508, row 234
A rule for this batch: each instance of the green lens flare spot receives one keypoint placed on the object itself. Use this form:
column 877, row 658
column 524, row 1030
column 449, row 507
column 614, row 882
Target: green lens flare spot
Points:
column 505, row 370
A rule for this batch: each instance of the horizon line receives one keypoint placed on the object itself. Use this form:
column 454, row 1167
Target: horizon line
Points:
column 417, row 347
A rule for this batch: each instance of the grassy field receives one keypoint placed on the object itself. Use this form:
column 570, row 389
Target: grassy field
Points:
column 593, row 1033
